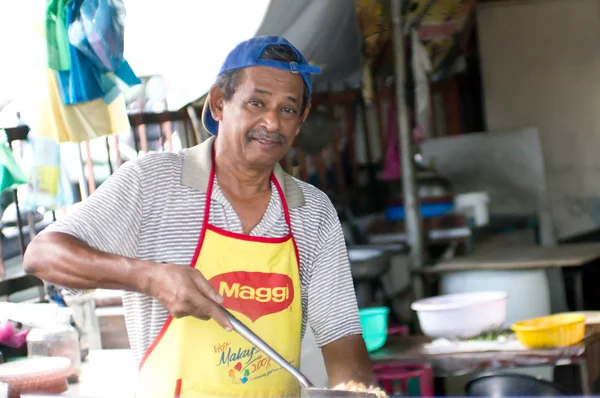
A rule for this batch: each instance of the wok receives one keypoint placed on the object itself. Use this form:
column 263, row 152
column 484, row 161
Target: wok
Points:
column 309, row 389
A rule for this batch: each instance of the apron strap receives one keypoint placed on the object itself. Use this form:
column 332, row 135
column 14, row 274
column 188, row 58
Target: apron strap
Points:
column 286, row 210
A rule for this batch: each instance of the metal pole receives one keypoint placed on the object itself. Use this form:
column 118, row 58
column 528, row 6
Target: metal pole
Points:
column 414, row 226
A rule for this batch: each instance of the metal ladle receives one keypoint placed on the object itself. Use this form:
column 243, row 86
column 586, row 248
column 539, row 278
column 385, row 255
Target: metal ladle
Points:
column 309, row 389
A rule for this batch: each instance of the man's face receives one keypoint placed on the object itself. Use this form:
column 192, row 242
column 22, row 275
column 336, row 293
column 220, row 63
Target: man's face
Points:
column 263, row 117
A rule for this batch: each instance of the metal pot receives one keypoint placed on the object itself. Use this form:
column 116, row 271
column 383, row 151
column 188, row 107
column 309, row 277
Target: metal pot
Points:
column 433, row 185
column 430, row 184
column 368, row 262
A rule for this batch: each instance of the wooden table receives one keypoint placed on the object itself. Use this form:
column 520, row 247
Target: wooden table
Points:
column 495, row 256
column 411, row 349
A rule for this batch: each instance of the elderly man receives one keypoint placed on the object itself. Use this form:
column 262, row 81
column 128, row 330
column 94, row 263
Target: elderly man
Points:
column 220, row 223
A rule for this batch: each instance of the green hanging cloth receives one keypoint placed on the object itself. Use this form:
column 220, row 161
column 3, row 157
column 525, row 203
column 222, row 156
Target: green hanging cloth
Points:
column 11, row 175
column 57, row 41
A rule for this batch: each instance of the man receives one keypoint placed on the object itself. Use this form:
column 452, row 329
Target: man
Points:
column 268, row 247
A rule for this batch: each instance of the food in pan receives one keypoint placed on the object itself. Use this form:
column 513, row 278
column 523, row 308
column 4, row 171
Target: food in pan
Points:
column 360, row 387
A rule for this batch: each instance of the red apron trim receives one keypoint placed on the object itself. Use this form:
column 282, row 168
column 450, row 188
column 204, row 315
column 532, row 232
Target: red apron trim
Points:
column 286, row 213
column 162, row 332
column 178, row 388
column 203, row 228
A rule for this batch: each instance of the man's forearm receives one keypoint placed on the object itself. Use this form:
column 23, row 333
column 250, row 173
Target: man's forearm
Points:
column 65, row 260
column 347, row 360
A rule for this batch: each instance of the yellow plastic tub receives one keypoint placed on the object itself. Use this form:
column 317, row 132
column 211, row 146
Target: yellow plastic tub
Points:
column 551, row 331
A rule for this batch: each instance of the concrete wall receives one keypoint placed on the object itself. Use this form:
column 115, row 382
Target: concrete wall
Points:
column 541, row 66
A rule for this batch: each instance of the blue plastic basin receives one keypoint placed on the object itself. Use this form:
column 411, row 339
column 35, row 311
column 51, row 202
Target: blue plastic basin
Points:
column 374, row 322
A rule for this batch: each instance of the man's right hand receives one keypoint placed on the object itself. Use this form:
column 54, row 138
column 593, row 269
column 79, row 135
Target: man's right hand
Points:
column 184, row 291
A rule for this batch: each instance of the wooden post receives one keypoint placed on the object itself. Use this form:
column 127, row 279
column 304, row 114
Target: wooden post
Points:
column 414, row 226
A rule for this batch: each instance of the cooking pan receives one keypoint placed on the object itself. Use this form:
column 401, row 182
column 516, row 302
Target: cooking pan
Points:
column 309, row 389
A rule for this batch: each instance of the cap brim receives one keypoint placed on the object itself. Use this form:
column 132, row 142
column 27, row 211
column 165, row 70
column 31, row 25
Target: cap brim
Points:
column 210, row 124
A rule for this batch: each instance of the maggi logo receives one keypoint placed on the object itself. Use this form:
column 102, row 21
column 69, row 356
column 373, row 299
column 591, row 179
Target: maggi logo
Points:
column 254, row 294
column 262, row 294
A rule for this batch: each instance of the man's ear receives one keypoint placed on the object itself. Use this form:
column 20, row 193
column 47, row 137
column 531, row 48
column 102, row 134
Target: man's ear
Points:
column 303, row 117
column 216, row 102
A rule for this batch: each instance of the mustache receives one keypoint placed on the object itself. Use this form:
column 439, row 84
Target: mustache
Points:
column 275, row 137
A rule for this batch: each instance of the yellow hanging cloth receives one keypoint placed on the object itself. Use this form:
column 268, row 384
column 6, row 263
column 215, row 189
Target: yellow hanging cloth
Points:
column 80, row 122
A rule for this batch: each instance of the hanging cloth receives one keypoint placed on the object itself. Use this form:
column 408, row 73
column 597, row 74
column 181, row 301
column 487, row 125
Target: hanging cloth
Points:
column 80, row 122
column 57, row 43
column 421, row 67
column 11, row 175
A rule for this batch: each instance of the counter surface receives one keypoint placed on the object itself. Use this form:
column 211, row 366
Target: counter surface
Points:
column 106, row 374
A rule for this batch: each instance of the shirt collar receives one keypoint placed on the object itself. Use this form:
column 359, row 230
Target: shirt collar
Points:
column 197, row 164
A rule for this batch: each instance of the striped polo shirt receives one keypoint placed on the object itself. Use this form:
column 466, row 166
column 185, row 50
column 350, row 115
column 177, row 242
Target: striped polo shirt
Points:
column 152, row 209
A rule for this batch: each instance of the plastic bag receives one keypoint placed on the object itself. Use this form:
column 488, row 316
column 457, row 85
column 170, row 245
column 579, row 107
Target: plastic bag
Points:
column 48, row 183
column 97, row 30
column 95, row 58
column 83, row 81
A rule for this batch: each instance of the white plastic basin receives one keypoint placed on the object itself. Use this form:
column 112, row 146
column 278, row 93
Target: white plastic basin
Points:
column 528, row 290
column 461, row 315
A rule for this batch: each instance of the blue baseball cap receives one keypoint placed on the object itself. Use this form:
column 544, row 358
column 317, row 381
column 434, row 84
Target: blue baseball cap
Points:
column 247, row 54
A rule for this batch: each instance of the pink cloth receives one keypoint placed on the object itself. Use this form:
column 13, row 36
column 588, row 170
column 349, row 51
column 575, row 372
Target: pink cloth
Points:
column 391, row 163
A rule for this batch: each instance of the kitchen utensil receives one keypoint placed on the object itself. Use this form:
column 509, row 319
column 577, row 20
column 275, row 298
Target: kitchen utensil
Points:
column 433, row 185
column 35, row 375
column 56, row 341
column 474, row 205
column 309, row 389
column 374, row 322
column 592, row 321
column 551, row 331
column 512, row 385
column 367, row 263
column 461, row 315
column 84, row 315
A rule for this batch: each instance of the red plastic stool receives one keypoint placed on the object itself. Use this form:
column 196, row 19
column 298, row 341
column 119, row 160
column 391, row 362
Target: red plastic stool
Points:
column 398, row 330
column 393, row 375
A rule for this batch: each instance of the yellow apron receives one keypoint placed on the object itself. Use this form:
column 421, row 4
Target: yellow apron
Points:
column 260, row 283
